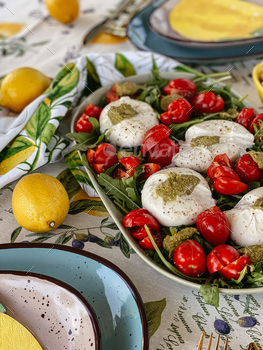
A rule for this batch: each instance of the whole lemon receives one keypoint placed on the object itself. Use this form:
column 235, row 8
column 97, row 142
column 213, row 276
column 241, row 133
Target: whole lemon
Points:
column 65, row 11
column 22, row 86
column 40, row 202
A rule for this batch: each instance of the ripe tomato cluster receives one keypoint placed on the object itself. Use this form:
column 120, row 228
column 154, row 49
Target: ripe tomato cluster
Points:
column 180, row 110
column 249, row 120
column 228, row 180
column 83, row 124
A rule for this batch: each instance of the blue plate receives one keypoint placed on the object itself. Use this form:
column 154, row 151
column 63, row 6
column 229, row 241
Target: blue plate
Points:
column 112, row 295
column 141, row 35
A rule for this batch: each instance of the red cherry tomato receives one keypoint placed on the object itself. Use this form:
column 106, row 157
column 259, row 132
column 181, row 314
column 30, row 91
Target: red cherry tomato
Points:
column 93, row 111
column 189, row 258
column 140, row 217
column 223, row 159
column 255, row 122
column 247, row 168
column 213, row 226
column 83, row 124
column 181, row 86
column 130, row 163
column 149, row 169
column 226, row 260
column 103, row 157
column 90, row 155
column 154, row 136
column 228, row 186
column 111, row 96
column 233, row 270
column 135, row 220
column 178, row 111
column 145, row 243
column 207, row 102
column 245, row 117
column 163, row 152
column 221, row 256
column 215, row 172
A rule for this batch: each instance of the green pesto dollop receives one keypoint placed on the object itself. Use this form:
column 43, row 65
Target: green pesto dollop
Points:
column 257, row 157
column 121, row 112
column 171, row 242
column 255, row 252
column 128, row 88
column 258, row 204
column 168, row 99
column 204, row 141
column 231, row 113
column 175, row 185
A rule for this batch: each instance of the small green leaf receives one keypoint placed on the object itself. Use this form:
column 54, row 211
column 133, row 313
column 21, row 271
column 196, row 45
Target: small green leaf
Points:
column 116, row 188
column 2, row 308
column 81, row 205
column 123, row 65
column 69, row 182
column 15, row 234
column 258, row 32
column 210, row 293
column 38, row 122
column 154, row 311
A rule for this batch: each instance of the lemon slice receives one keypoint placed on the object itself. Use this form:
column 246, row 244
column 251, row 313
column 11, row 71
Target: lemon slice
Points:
column 15, row 336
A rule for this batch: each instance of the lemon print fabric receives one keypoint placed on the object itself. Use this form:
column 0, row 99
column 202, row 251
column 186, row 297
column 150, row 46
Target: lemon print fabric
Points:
column 40, row 203
column 216, row 20
column 22, row 86
column 13, row 335
column 64, row 11
column 9, row 29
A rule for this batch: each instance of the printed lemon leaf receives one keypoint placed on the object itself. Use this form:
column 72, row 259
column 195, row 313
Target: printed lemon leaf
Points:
column 63, row 238
column 93, row 80
column 154, row 311
column 19, row 152
column 47, row 133
column 123, row 65
column 15, row 234
column 20, row 144
column 81, row 205
column 74, row 163
column 68, row 82
column 38, row 122
column 124, row 247
column 69, row 182
column 62, row 73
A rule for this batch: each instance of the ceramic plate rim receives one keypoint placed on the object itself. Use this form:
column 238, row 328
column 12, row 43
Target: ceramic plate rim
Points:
column 195, row 43
column 113, row 211
column 69, row 289
column 128, row 282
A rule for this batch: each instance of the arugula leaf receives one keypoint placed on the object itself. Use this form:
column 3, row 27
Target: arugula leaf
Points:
column 210, row 293
column 116, row 189
column 86, row 140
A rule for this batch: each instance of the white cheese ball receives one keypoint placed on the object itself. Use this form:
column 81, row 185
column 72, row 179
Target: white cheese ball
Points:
column 233, row 140
column 185, row 208
column 129, row 132
column 246, row 223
